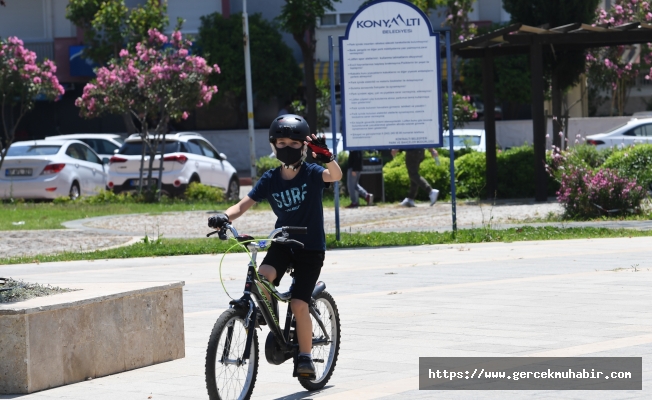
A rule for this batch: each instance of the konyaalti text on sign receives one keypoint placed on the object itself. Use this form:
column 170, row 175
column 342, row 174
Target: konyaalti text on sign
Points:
column 390, row 76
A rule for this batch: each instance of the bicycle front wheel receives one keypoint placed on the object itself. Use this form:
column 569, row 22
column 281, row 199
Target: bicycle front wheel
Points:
column 228, row 375
column 324, row 351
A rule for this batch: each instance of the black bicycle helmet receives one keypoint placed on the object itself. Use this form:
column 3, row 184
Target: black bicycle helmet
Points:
column 289, row 126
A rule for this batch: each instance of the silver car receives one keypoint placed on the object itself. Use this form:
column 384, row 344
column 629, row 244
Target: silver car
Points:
column 104, row 144
column 635, row 131
column 47, row 169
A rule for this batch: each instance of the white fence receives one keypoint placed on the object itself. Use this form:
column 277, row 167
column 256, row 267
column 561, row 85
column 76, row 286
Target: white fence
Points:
column 518, row 133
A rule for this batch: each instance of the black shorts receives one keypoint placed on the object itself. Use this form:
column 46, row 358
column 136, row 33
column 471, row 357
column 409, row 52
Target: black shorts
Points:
column 307, row 266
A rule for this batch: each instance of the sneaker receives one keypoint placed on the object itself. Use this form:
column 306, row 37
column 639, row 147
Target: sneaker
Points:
column 433, row 196
column 370, row 199
column 305, row 366
column 407, row 202
column 352, row 205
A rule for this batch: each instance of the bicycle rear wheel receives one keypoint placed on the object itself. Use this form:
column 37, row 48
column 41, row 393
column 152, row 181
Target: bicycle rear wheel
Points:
column 228, row 376
column 324, row 353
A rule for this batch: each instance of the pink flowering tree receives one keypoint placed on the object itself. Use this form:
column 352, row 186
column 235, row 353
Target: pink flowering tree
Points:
column 613, row 69
column 158, row 82
column 22, row 79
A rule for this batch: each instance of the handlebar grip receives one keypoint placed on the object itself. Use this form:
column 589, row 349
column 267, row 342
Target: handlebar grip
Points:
column 299, row 230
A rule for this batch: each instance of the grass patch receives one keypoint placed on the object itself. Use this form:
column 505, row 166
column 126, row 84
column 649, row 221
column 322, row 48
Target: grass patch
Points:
column 25, row 216
column 177, row 247
column 51, row 215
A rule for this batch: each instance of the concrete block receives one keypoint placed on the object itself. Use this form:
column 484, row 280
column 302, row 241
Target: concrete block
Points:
column 99, row 330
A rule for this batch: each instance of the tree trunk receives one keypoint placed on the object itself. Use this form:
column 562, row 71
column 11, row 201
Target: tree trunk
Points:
column 129, row 123
column 308, row 53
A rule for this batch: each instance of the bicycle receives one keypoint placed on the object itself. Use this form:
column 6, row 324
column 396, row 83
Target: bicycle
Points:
column 232, row 354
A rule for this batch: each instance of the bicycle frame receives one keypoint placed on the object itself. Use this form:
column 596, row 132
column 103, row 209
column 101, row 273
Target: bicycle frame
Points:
column 255, row 300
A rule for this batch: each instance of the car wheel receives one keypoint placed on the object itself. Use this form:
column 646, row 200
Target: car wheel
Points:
column 194, row 179
column 74, row 191
column 233, row 192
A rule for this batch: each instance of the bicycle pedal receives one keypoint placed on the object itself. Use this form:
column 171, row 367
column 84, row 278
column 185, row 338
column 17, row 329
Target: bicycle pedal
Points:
column 318, row 360
column 308, row 376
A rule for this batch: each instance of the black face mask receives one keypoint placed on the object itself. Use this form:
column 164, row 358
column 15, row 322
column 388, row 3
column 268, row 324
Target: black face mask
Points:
column 288, row 156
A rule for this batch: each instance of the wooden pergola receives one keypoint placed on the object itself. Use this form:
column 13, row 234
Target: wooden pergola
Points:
column 523, row 39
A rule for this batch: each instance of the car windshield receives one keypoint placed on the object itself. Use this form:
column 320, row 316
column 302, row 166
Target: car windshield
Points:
column 463, row 141
column 136, row 148
column 119, row 140
column 616, row 128
column 32, row 151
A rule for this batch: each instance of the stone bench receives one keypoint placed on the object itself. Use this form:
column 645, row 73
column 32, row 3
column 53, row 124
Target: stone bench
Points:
column 100, row 330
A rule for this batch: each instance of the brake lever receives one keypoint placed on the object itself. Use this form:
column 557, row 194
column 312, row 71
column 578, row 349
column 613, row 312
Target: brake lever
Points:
column 284, row 240
column 221, row 233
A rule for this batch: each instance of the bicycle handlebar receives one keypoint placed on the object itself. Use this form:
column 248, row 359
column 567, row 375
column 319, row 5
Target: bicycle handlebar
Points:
column 285, row 230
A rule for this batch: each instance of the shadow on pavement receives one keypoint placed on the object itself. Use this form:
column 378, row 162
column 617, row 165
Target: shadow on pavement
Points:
column 303, row 394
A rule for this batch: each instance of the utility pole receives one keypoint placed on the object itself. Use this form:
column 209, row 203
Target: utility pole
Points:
column 250, row 103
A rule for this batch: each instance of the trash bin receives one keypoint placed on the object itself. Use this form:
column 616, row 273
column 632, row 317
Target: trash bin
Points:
column 371, row 177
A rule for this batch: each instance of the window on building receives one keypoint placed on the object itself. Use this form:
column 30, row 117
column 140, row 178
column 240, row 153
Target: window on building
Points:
column 345, row 18
column 329, row 19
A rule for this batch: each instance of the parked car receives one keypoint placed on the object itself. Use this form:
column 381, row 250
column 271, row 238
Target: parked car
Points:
column 47, row 169
column 463, row 138
column 188, row 157
column 635, row 131
column 104, row 144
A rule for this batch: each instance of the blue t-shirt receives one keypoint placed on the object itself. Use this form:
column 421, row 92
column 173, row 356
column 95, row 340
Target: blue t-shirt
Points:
column 296, row 202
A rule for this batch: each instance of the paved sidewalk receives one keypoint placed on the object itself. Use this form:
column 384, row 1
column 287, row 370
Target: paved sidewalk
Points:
column 549, row 298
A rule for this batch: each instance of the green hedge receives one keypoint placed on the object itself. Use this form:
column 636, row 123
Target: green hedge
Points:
column 265, row 163
column 515, row 175
column 397, row 182
column 633, row 162
column 470, row 175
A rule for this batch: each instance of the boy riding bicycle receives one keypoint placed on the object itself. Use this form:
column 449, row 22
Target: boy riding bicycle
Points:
column 294, row 190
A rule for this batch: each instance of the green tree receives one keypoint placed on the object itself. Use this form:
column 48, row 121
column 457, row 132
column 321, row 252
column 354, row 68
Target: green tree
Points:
column 109, row 25
column 299, row 18
column 563, row 69
column 511, row 75
column 274, row 71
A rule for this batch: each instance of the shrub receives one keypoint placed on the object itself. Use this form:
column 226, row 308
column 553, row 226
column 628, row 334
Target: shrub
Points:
column 397, row 182
column 265, row 163
column 458, row 153
column 516, row 173
column 203, row 193
column 586, row 194
column 470, row 175
column 587, row 155
column 633, row 162
column 109, row 197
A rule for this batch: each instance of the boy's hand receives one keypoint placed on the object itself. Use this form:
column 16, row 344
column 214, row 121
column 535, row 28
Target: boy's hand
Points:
column 319, row 149
column 217, row 221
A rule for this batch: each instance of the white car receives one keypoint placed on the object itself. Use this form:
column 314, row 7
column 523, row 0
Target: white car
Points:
column 188, row 157
column 463, row 138
column 47, row 169
column 104, row 144
column 635, row 131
